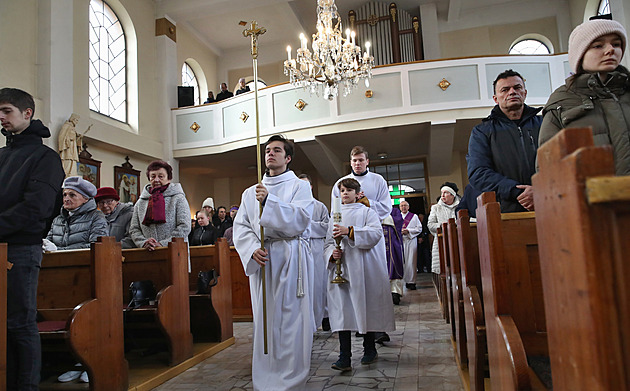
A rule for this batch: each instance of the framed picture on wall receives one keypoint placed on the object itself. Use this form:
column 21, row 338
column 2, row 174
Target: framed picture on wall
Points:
column 127, row 182
column 90, row 170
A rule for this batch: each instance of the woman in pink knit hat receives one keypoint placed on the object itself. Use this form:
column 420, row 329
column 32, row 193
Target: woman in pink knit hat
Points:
column 597, row 95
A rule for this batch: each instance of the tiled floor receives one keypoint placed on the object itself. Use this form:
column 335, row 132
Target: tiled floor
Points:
column 419, row 357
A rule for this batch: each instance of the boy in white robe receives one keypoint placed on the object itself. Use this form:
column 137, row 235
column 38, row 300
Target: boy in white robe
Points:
column 287, row 207
column 363, row 303
column 317, row 236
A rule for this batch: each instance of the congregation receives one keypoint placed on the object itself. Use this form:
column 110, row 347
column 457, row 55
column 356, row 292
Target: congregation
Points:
column 363, row 239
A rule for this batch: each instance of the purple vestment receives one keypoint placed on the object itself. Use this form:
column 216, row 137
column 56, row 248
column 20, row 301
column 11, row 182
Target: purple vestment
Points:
column 394, row 246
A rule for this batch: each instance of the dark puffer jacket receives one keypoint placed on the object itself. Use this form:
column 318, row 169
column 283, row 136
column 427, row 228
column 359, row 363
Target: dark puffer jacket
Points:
column 119, row 221
column 502, row 154
column 585, row 101
column 80, row 229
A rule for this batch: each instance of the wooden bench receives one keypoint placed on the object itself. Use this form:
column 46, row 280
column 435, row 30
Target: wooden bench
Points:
column 3, row 315
column 583, row 220
column 79, row 298
column 448, row 279
column 167, row 267
column 512, row 296
column 473, row 300
column 459, row 323
column 442, row 283
column 211, row 314
column 241, row 297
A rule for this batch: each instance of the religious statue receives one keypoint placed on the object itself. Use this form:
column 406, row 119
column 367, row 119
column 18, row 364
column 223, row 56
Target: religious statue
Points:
column 69, row 141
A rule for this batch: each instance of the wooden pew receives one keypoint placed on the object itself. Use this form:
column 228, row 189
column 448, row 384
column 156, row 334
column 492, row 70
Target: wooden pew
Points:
column 512, row 295
column 442, row 290
column 79, row 297
column 473, row 300
column 241, row 297
column 459, row 322
column 211, row 314
column 3, row 316
column 583, row 220
column 448, row 279
column 167, row 267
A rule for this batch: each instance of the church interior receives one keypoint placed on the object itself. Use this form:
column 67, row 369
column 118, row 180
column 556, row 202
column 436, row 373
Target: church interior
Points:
column 136, row 73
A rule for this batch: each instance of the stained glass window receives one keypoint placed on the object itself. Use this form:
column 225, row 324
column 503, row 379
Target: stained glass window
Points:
column 190, row 80
column 529, row 46
column 108, row 60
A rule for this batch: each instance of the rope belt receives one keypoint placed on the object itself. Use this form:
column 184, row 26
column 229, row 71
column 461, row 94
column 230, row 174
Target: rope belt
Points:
column 300, row 277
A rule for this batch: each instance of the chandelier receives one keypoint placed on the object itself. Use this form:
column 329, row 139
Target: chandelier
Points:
column 335, row 60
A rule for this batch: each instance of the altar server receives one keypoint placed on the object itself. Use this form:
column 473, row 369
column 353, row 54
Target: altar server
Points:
column 362, row 304
column 287, row 208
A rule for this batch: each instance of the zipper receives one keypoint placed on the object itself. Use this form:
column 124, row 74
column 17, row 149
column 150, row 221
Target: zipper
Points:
column 520, row 131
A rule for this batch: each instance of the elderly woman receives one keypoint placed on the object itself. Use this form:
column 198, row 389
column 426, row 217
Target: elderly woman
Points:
column 597, row 95
column 162, row 212
column 440, row 213
column 117, row 214
column 79, row 223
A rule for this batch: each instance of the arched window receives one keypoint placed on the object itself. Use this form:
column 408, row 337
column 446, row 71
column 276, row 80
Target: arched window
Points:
column 529, row 46
column 189, row 79
column 107, row 57
column 604, row 7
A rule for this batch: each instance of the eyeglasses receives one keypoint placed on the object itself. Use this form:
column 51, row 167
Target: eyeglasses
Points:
column 105, row 202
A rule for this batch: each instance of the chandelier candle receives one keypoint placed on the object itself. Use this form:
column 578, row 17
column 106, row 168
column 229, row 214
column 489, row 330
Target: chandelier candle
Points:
column 334, row 61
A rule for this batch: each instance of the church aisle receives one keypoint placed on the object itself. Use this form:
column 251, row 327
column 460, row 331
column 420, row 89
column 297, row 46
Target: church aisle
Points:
column 418, row 357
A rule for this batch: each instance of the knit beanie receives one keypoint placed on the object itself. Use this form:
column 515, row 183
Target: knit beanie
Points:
column 80, row 185
column 584, row 34
column 208, row 202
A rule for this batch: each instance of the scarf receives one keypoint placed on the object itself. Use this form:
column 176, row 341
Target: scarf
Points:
column 156, row 209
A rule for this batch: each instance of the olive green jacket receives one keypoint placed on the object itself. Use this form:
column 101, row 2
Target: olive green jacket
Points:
column 585, row 101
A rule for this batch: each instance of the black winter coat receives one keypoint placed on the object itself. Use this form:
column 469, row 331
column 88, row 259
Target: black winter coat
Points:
column 502, row 154
column 201, row 236
column 31, row 175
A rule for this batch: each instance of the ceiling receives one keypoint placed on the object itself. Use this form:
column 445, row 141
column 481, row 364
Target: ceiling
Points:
column 215, row 22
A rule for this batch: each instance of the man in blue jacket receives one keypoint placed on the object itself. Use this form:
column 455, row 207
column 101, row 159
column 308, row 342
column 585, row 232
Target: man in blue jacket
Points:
column 31, row 175
column 502, row 149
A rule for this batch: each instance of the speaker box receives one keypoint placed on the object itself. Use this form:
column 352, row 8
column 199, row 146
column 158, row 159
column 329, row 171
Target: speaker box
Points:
column 185, row 96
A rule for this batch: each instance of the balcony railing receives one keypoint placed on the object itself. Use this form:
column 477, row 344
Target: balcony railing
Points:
column 443, row 90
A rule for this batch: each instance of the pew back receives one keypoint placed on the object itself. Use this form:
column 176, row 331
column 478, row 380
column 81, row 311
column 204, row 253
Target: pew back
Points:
column 512, row 293
column 584, row 253
column 217, row 257
column 90, row 306
column 473, row 302
column 459, row 323
column 167, row 267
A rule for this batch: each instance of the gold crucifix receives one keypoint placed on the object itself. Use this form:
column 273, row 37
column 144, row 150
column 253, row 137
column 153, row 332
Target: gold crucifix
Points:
column 254, row 31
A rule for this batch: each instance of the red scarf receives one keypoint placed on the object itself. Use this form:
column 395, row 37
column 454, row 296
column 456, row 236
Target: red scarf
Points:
column 156, row 209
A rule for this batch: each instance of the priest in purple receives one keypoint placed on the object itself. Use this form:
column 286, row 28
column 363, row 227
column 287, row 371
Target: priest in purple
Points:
column 392, row 229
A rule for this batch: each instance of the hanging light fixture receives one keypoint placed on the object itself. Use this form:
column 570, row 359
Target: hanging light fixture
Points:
column 335, row 60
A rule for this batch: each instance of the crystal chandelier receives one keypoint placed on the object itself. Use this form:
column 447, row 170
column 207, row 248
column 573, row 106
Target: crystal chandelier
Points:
column 335, row 60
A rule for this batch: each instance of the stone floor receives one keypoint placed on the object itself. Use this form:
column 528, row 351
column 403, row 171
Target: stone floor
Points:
column 419, row 357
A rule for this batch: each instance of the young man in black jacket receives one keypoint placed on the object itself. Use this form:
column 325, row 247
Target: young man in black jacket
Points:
column 31, row 175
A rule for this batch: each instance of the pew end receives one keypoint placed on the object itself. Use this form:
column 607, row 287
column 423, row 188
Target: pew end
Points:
column 472, row 288
column 93, row 329
column 584, row 259
column 512, row 296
